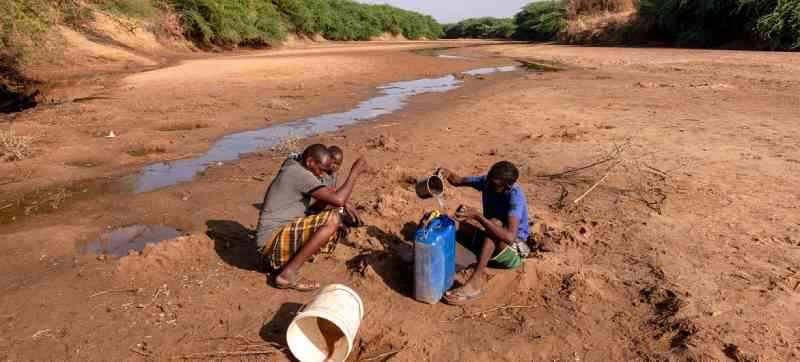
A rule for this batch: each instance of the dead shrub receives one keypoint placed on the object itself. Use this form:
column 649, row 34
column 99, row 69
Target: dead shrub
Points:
column 142, row 151
column 590, row 7
column 185, row 126
column 287, row 145
column 14, row 147
column 278, row 104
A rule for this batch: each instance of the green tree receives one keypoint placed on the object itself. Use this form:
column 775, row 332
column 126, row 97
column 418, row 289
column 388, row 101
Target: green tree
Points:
column 541, row 20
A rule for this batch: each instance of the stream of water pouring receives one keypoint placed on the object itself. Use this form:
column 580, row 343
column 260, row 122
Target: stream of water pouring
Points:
column 440, row 201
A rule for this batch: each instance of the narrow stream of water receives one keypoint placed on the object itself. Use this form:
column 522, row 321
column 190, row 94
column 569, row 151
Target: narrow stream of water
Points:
column 393, row 97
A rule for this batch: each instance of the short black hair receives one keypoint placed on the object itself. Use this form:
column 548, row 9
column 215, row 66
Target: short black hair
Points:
column 504, row 171
column 317, row 152
column 335, row 150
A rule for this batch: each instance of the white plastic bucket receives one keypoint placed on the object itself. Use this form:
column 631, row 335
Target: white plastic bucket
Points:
column 326, row 328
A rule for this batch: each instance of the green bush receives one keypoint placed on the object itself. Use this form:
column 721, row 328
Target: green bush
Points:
column 23, row 24
column 132, row 8
column 781, row 27
column 710, row 23
column 263, row 21
column 75, row 14
column 231, row 22
column 482, row 28
column 696, row 23
column 541, row 20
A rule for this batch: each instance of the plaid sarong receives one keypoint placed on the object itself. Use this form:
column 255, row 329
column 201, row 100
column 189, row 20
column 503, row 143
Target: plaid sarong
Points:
column 289, row 239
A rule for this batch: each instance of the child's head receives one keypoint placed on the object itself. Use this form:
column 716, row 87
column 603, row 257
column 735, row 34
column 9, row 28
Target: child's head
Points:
column 337, row 156
column 502, row 176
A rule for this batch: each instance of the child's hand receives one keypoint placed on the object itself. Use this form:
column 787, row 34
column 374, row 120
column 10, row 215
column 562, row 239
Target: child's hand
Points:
column 466, row 213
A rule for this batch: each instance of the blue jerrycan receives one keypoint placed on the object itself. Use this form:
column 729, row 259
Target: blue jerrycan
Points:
column 434, row 259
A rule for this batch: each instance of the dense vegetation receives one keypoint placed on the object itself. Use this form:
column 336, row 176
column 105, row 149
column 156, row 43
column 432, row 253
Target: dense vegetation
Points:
column 222, row 22
column 541, row 20
column 22, row 24
column 481, row 28
column 230, row 22
column 772, row 23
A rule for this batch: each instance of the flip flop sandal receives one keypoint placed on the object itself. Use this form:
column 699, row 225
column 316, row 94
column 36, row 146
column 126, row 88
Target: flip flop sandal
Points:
column 459, row 298
column 300, row 285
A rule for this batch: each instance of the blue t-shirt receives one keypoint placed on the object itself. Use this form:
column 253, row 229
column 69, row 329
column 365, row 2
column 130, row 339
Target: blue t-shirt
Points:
column 502, row 205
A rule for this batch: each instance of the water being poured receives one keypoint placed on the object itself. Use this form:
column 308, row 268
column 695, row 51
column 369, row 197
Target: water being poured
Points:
column 393, row 97
column 440, row 201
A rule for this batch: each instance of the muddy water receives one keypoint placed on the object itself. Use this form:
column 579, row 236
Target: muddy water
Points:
column 121, row 241
column 393, row 97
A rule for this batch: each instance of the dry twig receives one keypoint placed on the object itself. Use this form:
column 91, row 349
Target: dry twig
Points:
column 613, row 156
column 558, row 205
column 595, row 185
column 223, row 354
column 506, row 307
column 578, row 169
column 113, row 291
column 42, row 333
column 141, row 353
column 14, row 147
column 380, row 356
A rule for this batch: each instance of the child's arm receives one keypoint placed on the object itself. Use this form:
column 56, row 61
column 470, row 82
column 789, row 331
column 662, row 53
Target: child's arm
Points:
column 494, row 231
column 452, row 178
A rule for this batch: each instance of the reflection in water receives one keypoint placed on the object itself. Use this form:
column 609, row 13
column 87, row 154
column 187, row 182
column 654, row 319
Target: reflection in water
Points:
column 120, row 241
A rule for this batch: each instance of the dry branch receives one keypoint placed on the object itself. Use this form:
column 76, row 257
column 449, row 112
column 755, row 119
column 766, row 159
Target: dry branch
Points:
column 506, row 307
column 577, row 169
column 224, row 354
column 564, row 193
column 141, row 353
column 42, row 333
column 613, row 156
column 596, row 184
column 113, row 291
column 380, row 356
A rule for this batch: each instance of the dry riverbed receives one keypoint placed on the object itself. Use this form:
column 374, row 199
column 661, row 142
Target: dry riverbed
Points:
column 687, row 250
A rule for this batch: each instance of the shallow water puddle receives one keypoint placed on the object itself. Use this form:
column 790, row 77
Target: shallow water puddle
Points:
column 447, row 56
column 489, row 71
column 394, row 97
column 120, row 242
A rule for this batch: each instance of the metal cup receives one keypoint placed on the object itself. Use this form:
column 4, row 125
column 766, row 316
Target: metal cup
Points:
column 430, row 186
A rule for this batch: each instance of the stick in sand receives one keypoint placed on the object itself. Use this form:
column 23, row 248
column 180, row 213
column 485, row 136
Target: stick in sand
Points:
column 112, row 291
column 141, row 353
column 506, row 307
column 591, row 188
column 223, row 354
column 382, row 355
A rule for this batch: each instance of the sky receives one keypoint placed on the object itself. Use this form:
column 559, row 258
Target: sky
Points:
column 451, row 11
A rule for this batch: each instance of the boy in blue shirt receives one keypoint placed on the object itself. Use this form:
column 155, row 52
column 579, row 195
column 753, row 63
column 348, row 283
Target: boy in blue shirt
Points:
column 502, row 241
